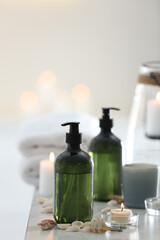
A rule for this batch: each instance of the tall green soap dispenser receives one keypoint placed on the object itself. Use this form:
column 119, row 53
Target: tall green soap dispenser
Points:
column 106, row 152
column 73, row 196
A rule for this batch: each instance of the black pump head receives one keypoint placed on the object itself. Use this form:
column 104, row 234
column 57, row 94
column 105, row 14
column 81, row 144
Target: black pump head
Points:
column 106, row 122
column 73, row 137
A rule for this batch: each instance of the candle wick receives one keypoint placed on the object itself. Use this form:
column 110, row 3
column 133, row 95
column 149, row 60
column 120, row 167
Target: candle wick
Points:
column 122, row 206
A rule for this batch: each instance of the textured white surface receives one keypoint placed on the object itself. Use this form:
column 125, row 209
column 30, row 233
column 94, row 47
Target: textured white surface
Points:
column 148, row 229
column 15, row 195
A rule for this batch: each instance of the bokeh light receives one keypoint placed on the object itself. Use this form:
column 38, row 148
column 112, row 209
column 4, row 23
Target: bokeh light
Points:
column 47, row 79
column 60, row 96
column 80, row 93
column 28, row 101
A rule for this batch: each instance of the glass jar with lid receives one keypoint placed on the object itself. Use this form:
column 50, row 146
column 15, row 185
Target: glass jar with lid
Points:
column 143, row 139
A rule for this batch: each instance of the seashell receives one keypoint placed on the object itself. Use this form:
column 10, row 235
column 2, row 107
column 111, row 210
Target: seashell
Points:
column 47, row 210
column 112, row 203
column 41, row 200
column 99, row 226
column 46, row 224
column 86, row 224
column 73, row 228
column 77, row 223
column 48, row 203
column 86, row 229
column 105, row 210
column 63, row 226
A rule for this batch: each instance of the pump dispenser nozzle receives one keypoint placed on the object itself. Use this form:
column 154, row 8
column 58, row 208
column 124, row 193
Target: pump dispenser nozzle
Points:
column 106, row 122
column 73, row 137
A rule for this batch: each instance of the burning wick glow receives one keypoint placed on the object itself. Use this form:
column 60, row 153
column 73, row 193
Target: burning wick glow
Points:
column 51, row 157
column 122, row 206
column 158, row 96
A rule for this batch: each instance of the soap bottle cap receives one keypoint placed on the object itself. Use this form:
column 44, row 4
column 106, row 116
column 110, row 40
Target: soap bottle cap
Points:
column 106, row 122
column 73, row 137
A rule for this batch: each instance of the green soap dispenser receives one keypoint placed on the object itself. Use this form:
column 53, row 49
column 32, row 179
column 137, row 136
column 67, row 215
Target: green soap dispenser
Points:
column 73, row 196
column 106, row 152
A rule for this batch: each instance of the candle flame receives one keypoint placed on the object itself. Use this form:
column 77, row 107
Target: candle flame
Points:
column 122, row 206
column 158, row 96
column 51, row 157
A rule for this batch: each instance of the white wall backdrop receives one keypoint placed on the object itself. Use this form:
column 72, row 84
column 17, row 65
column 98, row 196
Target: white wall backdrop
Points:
column 97, row 43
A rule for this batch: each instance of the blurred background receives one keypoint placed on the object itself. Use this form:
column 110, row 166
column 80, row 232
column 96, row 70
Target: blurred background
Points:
column 65, row 56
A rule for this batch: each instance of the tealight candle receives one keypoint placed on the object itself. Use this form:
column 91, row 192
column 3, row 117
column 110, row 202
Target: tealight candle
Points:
column 153, row 117
column 46, row 176
column 121, row 215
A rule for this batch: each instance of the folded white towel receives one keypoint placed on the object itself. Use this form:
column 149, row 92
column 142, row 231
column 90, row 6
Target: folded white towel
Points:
column 41, row 136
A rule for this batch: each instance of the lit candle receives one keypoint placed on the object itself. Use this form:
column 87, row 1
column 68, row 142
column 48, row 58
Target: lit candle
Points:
column 153, row 117
column 46, row 176
column 121, row 215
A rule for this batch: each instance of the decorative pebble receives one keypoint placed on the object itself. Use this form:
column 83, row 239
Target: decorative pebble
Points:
column 73, row 229
column 86, row 229
column 41, row 200
column 86, row 224
column 105, row 210
column 47, row 210
column 112, row 203
column 48, row 203
column 63, row 226
column 77, row 223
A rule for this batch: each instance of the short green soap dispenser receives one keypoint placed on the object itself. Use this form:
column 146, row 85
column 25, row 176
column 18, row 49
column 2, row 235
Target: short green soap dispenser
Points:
column 73, row 196
column 106, row 152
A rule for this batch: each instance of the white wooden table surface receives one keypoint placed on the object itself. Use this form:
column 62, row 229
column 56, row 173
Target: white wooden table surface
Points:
column 149, row 227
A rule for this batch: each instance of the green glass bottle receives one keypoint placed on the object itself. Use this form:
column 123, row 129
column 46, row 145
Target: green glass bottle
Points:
column 106, row 152
column 73, row 197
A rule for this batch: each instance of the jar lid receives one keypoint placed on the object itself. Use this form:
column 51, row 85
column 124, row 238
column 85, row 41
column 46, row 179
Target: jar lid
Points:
column 150, row 73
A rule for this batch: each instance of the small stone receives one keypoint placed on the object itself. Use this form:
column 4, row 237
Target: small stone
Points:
column 86, row 224
column 47, row 210
column 86, row 229
column 77, row 223
column 48, row 203
column 105, row 210
column 112, row 203
column 41, row 200
column 63, row 226
column 73, row 229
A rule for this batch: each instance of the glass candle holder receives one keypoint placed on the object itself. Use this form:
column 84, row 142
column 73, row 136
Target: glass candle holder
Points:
column 152, row 206
column 120, row 222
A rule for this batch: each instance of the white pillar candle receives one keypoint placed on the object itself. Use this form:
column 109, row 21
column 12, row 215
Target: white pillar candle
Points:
column 121, row 215
column 46, row 176
column 153, row 117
